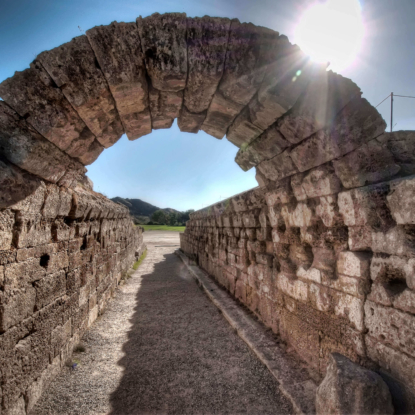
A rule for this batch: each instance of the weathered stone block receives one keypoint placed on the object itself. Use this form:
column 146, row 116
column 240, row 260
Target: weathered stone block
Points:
column 164, row 107
column 354, row 264
column 278, row 167
column 401, row 200
column 368, row 164
column 207, row 39
column 190, row 122
column 117, row 48
column 242, row 131
column 163, row 39
column 7, row 219
column 293, row 287
column 325, row 96
column 281, row 194
column 25, row 148
column 351, row 389
column 391, row 326
column 50, row 288
column 300, row 216
column 351, row 308
column 33, row 95
column 355, row 125
column 328, row 211
column 73, row 68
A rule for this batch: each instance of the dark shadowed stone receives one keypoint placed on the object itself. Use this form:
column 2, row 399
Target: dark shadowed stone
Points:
column 402, row 145
column 351, row 389
column 207, row 40
column 118, row 51
column 189, row 122
column 355, row 125
column 34, row 96
column 27, row 149
column 74, row 68
column 16, row 184
column 278, row 167
column 220, row 115
column 284, row 82
column 164, row 106
column 368, row 164
column 163, row 39
column 269, row 144
column 317, row 108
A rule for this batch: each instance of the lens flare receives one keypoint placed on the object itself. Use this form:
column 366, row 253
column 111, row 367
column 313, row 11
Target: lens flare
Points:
column 332, row 32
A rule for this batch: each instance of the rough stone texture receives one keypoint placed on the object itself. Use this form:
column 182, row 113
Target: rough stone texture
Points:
column 328, row 270
column 74, row 69
column 355, row 125
column 60, row 278
column 164, row 106
column 119, row 53
column 325, row 96
column 250, row 51
column 207, row 40
column 33, row 95
column 190, row 122
column 163, row 40
column 25, row 148
column 368, row 164
column 350, row 389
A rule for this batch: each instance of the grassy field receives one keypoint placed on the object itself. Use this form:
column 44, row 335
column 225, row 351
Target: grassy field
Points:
column 163, row 228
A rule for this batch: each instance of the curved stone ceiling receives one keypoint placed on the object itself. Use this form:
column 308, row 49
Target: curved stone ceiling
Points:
column 286, row 114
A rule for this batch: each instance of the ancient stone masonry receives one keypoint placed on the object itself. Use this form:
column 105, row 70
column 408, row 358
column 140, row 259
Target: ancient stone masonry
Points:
column 328, row 268
column 62, row 254
column 322, row 252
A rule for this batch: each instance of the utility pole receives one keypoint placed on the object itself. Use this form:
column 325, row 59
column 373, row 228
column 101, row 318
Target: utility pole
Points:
column 391, row 111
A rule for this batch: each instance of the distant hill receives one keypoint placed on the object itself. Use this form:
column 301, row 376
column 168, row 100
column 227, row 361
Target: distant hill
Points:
column 141, row 210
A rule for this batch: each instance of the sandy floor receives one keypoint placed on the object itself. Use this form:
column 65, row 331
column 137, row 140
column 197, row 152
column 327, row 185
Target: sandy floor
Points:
column 162, row 347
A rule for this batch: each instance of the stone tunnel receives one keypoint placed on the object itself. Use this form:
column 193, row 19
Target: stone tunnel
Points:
column 322, row 251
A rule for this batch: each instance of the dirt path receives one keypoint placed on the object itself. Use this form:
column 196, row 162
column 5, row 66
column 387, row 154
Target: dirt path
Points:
column 163, row 348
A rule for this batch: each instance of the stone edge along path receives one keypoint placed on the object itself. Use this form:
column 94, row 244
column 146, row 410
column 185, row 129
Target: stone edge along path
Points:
column 294, row 380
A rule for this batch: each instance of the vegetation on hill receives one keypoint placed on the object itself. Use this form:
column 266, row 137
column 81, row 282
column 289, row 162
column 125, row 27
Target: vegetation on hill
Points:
column 145, row 213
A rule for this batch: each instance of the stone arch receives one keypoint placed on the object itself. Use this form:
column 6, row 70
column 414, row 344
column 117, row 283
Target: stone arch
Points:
column 224, row 77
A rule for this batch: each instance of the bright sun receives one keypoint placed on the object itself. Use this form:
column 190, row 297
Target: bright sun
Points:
column 331, row 32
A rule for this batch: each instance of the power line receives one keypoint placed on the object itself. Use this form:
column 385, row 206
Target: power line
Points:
column 383, row 100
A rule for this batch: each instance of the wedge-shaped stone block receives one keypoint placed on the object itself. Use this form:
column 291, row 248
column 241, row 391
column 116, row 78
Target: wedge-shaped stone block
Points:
column 281, row 195
column 163, row 39
column 164, row 107
column 402, row 145
column 368, row 164
column 73, row 67
column 396, row 241
column 27, row 149
column 220, row 115
column 120, row 56
column 326, row 95
column 391, row 326
column 190, row 122
column 269, row 144
column 284, row 82
column 355, row 125
column 34, row 96
column 251, row 49
column 351, row 389
column 16, row 184
column 242, row 131
column 401, row 200
column 278, row 167
column 207, row 40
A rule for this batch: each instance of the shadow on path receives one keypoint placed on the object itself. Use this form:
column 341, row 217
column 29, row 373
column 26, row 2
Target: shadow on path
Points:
column 182, row 356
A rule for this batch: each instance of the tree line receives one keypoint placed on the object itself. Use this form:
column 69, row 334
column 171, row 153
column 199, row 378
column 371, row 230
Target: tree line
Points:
column 160, row 217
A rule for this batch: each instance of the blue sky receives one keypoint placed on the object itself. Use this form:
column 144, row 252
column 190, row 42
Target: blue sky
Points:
column 173, row 169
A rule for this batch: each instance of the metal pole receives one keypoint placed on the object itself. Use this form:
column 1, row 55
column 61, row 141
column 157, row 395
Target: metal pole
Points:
column 391, row 111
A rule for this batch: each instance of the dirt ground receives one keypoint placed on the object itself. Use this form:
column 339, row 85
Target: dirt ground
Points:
column 162, row 347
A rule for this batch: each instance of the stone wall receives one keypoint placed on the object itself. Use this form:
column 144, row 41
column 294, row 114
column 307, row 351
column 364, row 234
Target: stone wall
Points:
column 63, row 252
column 329, row 268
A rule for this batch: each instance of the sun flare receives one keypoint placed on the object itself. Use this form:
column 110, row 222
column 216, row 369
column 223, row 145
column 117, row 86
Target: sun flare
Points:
column 332, row 32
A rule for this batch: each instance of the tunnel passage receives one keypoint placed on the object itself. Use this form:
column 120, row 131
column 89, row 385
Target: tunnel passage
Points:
column 322, row 251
